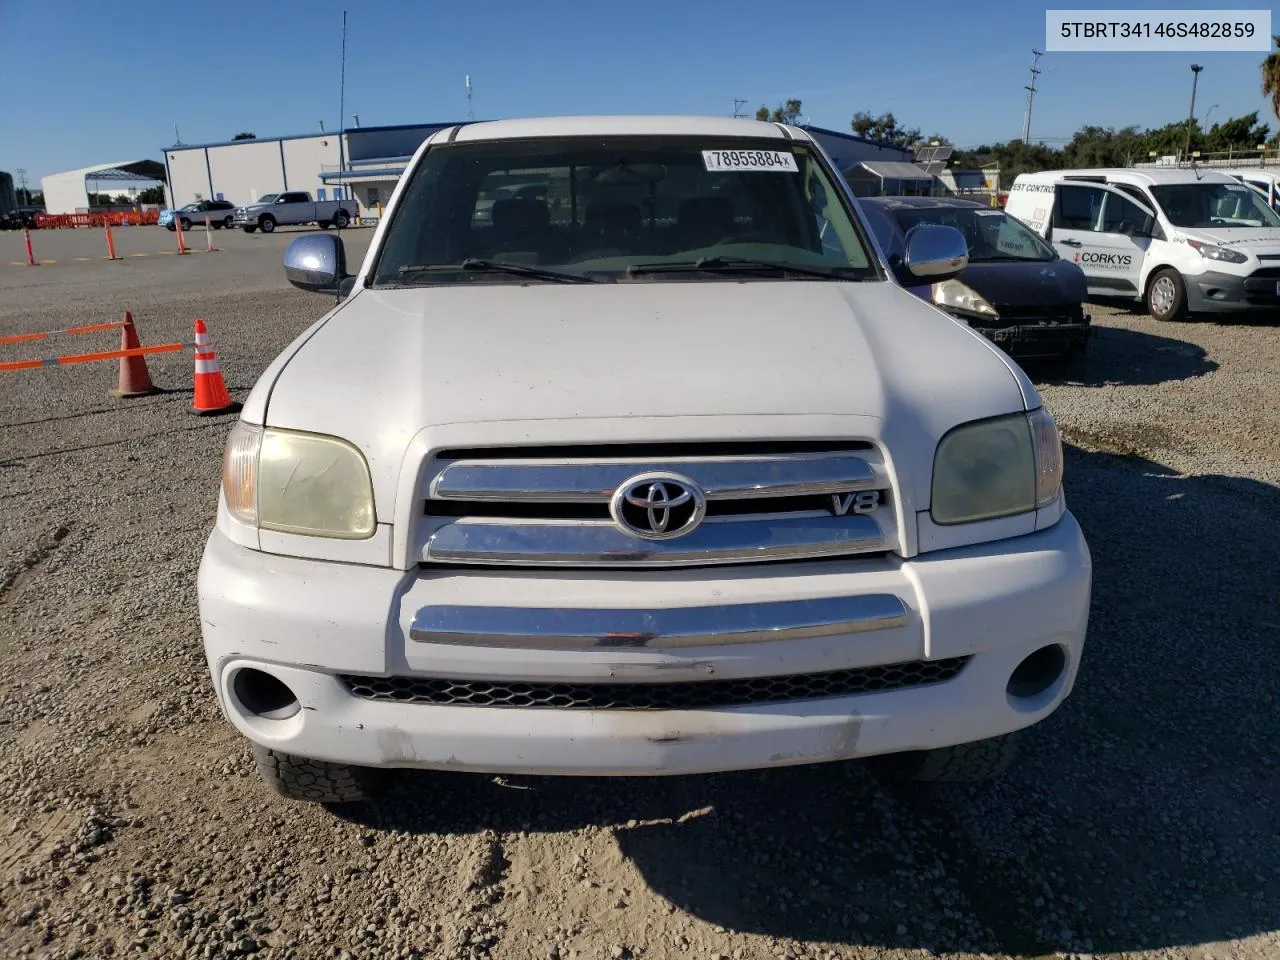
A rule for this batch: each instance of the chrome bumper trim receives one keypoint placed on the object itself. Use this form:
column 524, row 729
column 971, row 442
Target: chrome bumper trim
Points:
column 590, row 629
column 600, row 543
column 721, row 478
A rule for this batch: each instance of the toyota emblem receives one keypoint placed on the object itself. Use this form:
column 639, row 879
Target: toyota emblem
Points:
column 658, row 506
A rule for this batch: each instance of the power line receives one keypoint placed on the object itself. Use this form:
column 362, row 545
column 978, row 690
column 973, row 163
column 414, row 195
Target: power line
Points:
column 1031, row 94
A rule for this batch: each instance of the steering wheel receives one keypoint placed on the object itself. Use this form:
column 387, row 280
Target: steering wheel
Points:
column 755, row 236
column 600, row 253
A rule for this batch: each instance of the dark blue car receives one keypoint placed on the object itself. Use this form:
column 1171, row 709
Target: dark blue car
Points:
column 1016, row 291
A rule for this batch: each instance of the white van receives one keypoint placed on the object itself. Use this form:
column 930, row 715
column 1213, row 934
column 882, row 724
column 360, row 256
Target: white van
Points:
column 1266, row 182
column 1182, row 240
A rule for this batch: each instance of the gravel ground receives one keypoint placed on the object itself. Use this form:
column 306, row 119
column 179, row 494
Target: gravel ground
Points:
column 1141, row 822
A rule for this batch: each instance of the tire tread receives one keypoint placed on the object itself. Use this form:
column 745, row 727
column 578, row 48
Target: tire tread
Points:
column 316, row 781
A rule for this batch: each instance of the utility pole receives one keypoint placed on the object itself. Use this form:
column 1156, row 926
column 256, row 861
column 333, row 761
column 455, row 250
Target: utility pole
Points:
column 737, row 108
column 471, row 114
column 1191, row 117
column 1031, row 94
column 177, row 140
column 342, row 106
column 22, row 186
column 356, row 117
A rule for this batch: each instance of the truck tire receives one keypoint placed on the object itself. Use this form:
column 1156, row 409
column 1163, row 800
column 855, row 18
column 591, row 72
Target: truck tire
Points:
column 341, row 219
column 965, row 762
column 317, row 781
column 186, row 224
column 229, row 222
column 170, row 227
column 249, row 228
column 1167, row 296
column 267, row 223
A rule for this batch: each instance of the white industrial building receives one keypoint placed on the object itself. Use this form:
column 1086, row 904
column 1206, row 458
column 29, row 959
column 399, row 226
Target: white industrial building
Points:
column 373, row 159
column 241, row 171
column 69, row 192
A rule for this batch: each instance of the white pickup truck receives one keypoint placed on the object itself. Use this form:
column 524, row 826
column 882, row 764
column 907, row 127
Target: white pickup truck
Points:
column 292, row 208
column 657, row 469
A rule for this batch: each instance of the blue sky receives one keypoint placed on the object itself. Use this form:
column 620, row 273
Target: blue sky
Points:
column 101, row 87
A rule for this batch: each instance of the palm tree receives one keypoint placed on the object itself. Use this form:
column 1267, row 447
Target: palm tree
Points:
column 1271, row 77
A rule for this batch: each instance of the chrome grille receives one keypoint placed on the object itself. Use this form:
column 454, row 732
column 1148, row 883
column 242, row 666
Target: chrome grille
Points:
column 543, row 509
column 699, row 695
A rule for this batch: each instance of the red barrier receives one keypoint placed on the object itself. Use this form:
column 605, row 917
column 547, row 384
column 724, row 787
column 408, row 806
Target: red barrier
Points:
column 31, row 257
column 116, row 218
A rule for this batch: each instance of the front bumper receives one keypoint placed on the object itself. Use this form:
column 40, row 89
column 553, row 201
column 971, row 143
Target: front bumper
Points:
column 308, row 623
column 1039, row 340
column 1213, row 292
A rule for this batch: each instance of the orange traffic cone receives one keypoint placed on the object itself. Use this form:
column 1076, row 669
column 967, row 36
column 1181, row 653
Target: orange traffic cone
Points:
column 211, row 394
column 135, row 380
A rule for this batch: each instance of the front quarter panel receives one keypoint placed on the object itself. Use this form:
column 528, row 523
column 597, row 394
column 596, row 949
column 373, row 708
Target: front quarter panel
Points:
column 255, row 405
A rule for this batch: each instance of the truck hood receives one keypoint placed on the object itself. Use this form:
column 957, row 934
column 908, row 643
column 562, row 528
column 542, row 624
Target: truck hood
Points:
column 1255, row 240
column 512, row 364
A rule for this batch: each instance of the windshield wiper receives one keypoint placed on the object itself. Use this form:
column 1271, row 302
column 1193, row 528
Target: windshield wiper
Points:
column 495, row 266
column 737, row 265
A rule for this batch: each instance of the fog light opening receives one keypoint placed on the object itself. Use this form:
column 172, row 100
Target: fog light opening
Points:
column 262, row 695
column 1038, row 672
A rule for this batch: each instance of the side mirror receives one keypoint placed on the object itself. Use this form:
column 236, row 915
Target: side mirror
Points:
column 933, row 254
column 317, row 262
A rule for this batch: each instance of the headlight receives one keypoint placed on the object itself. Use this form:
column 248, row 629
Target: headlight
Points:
column 997, row 468
column 952, row 294
column 1213, row 252
column 303, row 483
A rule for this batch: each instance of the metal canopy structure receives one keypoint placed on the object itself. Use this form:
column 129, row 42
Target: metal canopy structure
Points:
column 889, row 178
column 69, row 192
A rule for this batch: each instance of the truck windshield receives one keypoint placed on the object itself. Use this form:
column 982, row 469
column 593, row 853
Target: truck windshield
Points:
column 268, row 198
column 1214, row 205
column 622, row 209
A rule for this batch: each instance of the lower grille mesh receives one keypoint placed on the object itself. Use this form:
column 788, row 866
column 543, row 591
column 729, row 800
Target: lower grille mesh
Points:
column 655, row 696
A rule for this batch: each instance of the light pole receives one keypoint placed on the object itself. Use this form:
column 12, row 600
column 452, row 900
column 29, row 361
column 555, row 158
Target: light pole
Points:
column 1207, row 113
column 1191, row 117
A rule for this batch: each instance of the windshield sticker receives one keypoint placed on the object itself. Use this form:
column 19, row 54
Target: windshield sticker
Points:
column 1234, row 189
column 777, row 161
column 988, row 213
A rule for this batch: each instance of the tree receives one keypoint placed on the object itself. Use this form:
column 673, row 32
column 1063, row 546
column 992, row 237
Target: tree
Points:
column 1237, row 133
column 1271, row 76
column 884, row 128
column 787, row 112
column 151, row 195
column 245, row 136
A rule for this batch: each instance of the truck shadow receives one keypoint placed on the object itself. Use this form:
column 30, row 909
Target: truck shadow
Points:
column 1141, row 816
column 1120, row 356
